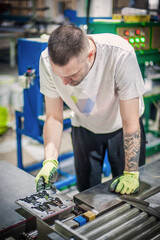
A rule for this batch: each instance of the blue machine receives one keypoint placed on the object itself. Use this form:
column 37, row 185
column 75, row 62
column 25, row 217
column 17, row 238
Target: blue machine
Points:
column 27, row 121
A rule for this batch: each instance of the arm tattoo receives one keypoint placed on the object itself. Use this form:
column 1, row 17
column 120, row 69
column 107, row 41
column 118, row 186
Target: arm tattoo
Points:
column 132, row 150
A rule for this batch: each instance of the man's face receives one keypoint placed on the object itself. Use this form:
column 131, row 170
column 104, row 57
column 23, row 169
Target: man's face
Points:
column 74, row 71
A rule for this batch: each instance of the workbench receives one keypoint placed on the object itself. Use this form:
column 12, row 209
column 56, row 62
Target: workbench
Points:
column 117, row 217
column 15, row 183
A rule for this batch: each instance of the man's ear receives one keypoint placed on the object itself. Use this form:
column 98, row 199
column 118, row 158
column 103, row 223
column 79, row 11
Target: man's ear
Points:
column 90, row 55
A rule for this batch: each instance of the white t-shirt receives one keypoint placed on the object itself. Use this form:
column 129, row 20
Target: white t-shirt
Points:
column 114, row 76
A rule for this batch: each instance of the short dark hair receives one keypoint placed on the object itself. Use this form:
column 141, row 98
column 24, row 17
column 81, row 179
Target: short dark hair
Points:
column 65, row 42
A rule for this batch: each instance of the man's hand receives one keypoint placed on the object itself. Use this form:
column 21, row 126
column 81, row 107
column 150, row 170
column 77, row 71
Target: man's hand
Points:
column 126, row 184
column 47, row 175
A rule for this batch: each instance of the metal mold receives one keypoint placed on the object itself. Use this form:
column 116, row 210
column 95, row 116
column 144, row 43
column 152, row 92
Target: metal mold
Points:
column 46, row 204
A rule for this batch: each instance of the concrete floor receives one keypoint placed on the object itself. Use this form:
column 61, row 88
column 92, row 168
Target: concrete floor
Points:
column 32, row 151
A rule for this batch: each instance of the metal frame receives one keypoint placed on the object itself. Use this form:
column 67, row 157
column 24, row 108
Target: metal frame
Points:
column 69, row 179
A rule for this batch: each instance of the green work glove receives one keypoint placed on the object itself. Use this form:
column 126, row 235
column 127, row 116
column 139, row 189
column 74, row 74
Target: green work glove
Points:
column 47, row 175
column 126, row 184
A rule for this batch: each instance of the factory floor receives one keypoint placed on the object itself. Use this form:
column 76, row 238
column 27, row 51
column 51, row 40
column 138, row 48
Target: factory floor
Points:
column 33, row 151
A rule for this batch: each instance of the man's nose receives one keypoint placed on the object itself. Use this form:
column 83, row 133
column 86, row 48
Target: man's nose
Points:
column 66, row 80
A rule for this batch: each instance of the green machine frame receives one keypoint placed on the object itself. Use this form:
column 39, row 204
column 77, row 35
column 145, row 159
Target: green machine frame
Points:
column 148, row 50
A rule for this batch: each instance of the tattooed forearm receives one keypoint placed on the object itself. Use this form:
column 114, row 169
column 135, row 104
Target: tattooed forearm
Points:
column 132, row 150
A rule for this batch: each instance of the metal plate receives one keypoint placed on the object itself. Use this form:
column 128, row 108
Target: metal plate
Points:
column 150, row 173
column 46, row 204
column 99, row 196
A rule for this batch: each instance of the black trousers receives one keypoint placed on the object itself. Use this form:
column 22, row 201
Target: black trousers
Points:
column 89, row 151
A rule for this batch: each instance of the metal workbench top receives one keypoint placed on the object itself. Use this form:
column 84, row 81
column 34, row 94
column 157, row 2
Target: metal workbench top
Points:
column 98, row 197
column 14, row 184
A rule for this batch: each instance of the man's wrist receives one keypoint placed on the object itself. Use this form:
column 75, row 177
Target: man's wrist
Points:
column 52, row 160
column 135, row 174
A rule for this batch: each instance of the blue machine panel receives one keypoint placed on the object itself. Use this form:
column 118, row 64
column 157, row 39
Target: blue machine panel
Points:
column 29, row 51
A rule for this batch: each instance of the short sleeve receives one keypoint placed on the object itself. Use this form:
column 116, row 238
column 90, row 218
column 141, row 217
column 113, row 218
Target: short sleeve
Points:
column 128, row 78
column 46, row 82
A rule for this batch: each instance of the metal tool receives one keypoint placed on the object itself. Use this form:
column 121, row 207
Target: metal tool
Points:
column 46, row 204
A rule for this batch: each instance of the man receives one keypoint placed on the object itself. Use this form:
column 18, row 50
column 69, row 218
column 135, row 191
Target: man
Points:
column 98, row 77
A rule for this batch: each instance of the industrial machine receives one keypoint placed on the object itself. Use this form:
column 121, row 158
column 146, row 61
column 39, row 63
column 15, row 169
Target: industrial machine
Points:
column 95, row 213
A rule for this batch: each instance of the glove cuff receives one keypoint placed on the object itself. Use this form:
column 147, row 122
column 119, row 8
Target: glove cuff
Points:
column 132, row 174
column 54, row 161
